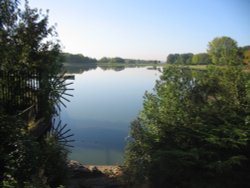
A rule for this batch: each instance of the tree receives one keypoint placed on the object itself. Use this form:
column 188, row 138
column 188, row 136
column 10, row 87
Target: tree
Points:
column 22, row 37
column 171, row 59
column 117, row 60
column 8, row 15
column 201, row 59
column 104, row 60
column 193, row 130
column 187, row 58
column 78, row 59
column 224, row 51
column 29, row 44
column 180, row 59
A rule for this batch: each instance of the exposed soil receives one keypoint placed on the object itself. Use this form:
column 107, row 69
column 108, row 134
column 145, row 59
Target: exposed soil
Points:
column 89, row 176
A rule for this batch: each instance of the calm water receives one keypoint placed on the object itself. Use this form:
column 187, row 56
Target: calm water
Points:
column 99, row 115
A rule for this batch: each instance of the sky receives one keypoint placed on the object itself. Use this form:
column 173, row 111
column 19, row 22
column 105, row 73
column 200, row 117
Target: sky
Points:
column 145, row 29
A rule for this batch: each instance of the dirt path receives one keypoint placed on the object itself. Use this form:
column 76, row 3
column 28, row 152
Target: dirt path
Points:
column 90, row 176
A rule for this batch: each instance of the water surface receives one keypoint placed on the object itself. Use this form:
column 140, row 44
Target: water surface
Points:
column 105, row 102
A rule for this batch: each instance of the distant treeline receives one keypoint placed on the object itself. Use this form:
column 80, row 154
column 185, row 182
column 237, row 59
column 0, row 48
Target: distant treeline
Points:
column 203, row 58
column 106, row 60
column 79, row 59
column 181, row 59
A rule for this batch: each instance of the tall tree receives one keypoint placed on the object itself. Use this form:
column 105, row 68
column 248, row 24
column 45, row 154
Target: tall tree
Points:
column 24, row 39
column 224, row 51
column 8, row 18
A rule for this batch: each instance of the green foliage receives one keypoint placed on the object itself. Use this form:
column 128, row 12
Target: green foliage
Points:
column 9, row 182
column 221, row 51
column 224, row 51
column 193, row 130
column 16, row 148
column 29, row 45
column 118, row 60
column 24, row 159
column 75, row 63
column 24, row 40
column 77, row 59
column 201, row 59
column 79, row 63
column 180, row 59
column 245, row 54
column 54, row 160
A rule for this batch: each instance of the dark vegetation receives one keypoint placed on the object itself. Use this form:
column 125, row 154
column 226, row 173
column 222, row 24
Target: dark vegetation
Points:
column 33, row 149
column 194, row 129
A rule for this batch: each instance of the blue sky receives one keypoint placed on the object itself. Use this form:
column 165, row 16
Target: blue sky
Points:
column 145, row 29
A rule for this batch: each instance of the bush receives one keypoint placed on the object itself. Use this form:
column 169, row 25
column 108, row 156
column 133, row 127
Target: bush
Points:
column 54, row 160
column 24, row 159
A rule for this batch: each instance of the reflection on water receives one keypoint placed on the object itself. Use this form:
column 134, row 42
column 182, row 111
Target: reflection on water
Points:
column 99, row 114
column 78, row 69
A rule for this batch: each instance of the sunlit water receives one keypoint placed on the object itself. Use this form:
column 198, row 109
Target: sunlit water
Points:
column 100, row 113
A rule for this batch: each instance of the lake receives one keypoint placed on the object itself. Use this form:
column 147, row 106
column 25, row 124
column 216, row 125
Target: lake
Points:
column 104, row 104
